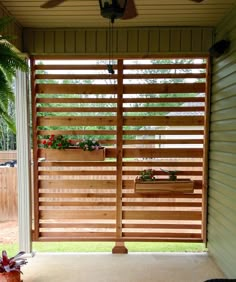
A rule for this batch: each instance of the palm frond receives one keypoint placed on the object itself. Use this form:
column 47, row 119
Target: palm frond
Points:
column 4, row 21
column 6, row 91
column 9, row 121
column 10, row 61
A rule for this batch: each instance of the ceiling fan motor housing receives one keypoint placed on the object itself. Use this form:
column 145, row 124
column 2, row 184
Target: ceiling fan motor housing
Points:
column 112, row 9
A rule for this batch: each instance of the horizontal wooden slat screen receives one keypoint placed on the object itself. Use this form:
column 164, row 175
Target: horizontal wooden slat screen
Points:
column 162, row 105
column 79, row 196
column 163, row 128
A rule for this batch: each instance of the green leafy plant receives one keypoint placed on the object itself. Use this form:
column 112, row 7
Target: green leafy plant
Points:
column 147, row 175
column 10, row 62
column 171, row 173
column 89, row 145
column 57, row 142
column 13, row 263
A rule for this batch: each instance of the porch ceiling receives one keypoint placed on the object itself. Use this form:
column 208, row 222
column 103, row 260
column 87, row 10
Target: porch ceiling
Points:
column 86, row 13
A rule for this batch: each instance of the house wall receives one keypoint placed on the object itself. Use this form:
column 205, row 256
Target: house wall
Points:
column 12, row 29
column 222, row 158
column 142, row 42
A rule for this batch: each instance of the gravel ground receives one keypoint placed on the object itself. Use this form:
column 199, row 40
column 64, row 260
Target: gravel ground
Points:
column 8, row 232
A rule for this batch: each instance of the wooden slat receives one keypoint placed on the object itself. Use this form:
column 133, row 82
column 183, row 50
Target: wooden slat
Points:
column 71, row 214
column 161, row 215
column 161, row 204
column 52, row 225
column 163, row 153
column 164, row 88
column 136, row 195
column 72, row 172
column 161, row 235
column 161, row 173
column 112, row 239
column 162, row 163
column 75, row 89
column 162, row 226
column 163, row 120
column 58, row 195
column 78, row 234
column 75, row 204
column 164, row 66
column 75, row 121
column 75, row 184
column 75, row 164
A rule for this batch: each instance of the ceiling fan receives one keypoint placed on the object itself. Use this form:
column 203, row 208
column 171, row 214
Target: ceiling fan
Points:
column 112, row 9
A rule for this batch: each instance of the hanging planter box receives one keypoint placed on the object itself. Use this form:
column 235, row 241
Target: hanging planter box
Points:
column 164, row 186
column 73, row 154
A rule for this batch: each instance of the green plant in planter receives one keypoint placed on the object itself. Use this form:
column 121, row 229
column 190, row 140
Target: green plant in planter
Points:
column 147, row 175
column 89, row 145
column 171, row 173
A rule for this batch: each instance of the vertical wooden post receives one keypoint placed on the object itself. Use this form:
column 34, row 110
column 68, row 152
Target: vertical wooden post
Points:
column 206, row 151
column 35, row 152
column 119, row 247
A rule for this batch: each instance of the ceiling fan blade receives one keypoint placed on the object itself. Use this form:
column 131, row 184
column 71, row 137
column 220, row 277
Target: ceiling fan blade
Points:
column 130, row 10
column 197, row 1
column 52, row 4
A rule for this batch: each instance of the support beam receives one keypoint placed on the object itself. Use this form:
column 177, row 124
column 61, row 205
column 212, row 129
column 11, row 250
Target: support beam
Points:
column 23, row 162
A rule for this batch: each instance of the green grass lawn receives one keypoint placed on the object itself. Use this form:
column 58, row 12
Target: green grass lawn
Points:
column 107, row 247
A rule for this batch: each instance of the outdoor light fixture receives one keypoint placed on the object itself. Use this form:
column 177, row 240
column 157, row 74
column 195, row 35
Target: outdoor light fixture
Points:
column 112, row 9
column 116, row 9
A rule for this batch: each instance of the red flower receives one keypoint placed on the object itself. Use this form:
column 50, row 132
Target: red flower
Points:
column 44, row 142
column 49, row 143
column 51, row 137
column 59, row 144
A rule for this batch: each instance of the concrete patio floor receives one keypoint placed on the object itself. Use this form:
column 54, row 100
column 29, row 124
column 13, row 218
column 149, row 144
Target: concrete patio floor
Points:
column 133, row 267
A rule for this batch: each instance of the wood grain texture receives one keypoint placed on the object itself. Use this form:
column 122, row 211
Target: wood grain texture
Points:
column 144, row 120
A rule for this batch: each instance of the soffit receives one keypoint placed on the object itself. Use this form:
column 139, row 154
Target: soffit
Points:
column 86, row 13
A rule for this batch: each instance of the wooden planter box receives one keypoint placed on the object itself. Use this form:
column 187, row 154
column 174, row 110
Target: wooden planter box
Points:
column 164, row 186
column 72, row 155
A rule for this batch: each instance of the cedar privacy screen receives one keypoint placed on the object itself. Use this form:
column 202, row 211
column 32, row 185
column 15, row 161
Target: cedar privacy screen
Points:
column 151, row 113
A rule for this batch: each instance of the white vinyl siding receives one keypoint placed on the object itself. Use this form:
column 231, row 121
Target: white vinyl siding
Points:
column 222, row 175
